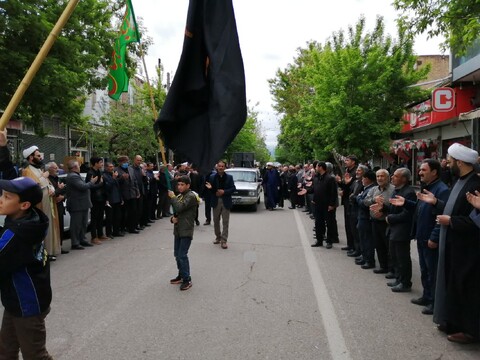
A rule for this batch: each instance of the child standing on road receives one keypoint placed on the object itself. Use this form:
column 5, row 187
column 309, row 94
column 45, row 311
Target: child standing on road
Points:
column 185, row 210
column 24, row 271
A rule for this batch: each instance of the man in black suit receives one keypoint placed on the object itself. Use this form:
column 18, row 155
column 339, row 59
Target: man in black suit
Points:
column 78, row 204
column 325, row 200
column 130, row 194
column 399, row 220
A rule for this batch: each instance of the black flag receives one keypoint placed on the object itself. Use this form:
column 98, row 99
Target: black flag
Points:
column 206, row 105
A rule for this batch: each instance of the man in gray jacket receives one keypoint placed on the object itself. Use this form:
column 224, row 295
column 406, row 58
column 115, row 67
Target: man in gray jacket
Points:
column 78, row 204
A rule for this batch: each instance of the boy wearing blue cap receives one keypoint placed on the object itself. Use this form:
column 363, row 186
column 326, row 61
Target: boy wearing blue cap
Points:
column 24, row 271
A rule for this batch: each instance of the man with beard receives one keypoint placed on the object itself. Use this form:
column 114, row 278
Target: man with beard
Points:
column 446, row 174
column 292, row 184
column 221, row 186
column 113, row 208
column 325, row 198
column 426, row 231
column 130, row 193
column 400, row 224
column 345, row 185
column 457, row 295
column 34, row 171
column 364, row 225
column 98, row 198
column 357, row 188
column 383, row 191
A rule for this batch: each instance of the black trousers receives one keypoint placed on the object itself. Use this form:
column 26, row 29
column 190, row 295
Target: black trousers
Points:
column 113, row 216
column 152, row 205
column 129, row 217
column 26, row 334
column 325, row 221
column 402, row 262
column 380, row 240
column 348, row 227
column 293, row 198
column 364, row 228
column 96, row 219
column 145, row 217
column 356, row 234
column 163, row 205
column 208, row 207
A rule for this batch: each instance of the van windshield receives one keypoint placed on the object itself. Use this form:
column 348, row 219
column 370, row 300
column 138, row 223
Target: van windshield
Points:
column 246, row 176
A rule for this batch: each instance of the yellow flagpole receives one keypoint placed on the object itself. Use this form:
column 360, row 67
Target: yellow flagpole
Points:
column 32, row 71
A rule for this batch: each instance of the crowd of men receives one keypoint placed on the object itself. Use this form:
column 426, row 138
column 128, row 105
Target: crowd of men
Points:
column 383, row 213
column 112, row 199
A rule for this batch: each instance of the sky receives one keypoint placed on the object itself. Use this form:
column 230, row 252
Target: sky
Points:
column 270, row 32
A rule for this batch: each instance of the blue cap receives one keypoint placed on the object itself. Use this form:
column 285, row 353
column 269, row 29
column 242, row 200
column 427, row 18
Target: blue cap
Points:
column 25, row 187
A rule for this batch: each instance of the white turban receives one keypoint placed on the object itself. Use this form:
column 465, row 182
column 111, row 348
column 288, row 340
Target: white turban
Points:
column 463, row 153
column 29, row 151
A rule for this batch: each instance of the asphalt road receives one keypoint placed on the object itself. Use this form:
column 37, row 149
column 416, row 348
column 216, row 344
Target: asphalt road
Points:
column 269, row 296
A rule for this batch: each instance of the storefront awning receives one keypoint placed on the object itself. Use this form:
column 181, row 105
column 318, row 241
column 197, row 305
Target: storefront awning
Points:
column 409, row 144
column 474, row 114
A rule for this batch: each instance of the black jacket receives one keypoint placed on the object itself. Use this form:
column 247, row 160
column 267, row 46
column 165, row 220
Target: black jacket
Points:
column 112, row 188
column 400, row 219
column 24, row 270
column 325, row 191
column 97, row 193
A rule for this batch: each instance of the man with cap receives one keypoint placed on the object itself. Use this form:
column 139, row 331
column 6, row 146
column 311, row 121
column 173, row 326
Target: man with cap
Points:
column 457, row 294
column 34, row 170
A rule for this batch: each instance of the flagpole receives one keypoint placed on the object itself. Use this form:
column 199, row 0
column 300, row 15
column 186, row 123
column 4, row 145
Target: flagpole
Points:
column 152, row 102
column 32, row 71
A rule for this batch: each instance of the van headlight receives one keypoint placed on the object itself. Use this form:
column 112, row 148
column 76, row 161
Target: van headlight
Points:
column 252, row 193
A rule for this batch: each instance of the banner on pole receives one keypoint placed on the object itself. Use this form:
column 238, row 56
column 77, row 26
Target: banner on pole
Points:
column 117, row 74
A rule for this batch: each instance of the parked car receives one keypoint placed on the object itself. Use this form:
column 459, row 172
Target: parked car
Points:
column 248, row 185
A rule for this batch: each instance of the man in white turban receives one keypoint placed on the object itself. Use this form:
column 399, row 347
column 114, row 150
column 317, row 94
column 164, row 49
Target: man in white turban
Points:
column 34, row 170
column 457, row 295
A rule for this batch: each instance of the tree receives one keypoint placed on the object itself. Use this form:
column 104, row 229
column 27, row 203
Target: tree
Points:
column 250, row 139
column 125, row 130
column 457, row 20
column 347, row 95
column 71, row 69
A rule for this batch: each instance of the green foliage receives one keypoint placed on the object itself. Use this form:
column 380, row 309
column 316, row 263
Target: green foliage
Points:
column 70, row 70
column 457, row 20
column 125, row 130
column 250, row 139
column 346, row 95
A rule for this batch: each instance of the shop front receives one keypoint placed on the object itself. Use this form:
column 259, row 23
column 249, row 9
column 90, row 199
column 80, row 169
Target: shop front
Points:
column 429, row 130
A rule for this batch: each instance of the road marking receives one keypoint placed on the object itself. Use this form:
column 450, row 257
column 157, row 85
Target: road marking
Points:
column 336, row 341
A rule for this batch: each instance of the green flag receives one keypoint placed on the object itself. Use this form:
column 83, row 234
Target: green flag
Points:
column 117, row 75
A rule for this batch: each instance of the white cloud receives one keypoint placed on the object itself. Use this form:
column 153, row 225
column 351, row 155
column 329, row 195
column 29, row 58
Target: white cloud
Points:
column 270, row 33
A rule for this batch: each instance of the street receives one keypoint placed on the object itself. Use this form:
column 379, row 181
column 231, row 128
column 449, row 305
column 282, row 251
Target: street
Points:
column 269, row 296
